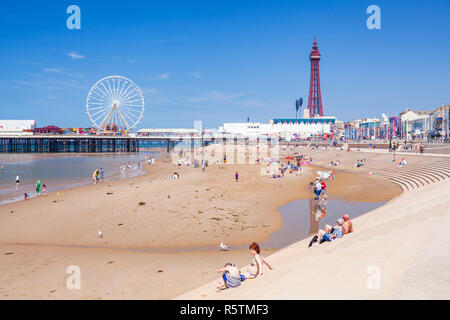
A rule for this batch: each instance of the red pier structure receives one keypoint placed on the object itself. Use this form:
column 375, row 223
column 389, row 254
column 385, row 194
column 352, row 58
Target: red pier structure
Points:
column 315, row 97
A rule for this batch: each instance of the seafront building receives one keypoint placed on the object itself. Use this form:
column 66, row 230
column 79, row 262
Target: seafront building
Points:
column 285, row 128
column 179, row 132
column 441, row 121
column 17, row 127
column 426, row 125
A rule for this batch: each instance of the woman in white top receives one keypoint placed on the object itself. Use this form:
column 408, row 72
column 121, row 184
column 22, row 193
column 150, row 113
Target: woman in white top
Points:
column 256, row 265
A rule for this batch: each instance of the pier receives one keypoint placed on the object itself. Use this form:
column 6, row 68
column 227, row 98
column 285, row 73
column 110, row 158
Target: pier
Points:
column 105, row 144
column 77, row 144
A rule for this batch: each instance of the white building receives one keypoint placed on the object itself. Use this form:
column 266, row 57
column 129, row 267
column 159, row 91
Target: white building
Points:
column 416, row 124
column 17, row 127
column 179, row 132
column 285, row 128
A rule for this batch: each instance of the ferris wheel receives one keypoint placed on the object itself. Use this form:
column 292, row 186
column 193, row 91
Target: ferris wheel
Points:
column 115, row 104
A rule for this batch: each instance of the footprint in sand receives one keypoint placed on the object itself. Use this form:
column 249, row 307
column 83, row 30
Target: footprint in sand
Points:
column 9, row 253
column 141, row 203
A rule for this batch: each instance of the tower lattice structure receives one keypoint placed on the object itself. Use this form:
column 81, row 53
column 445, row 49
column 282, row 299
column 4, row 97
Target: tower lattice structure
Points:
column 315, row 96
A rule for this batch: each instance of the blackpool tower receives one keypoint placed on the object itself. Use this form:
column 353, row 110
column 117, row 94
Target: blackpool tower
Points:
column 315, row 97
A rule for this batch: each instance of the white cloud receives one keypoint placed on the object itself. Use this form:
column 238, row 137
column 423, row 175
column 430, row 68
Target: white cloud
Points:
column 164, row 76
column 57, row 71
column 25, row 83
column 197, row 75
column 74, row 56
column 252, row 103
column 150, row 90
column 132, row 61
column 214, row 96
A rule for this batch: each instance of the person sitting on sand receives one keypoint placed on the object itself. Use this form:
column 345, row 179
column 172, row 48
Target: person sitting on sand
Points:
column 403, row 163
column 331, row 231
column 26, row 196
column 231, row 277
column 323, row 236
column 348, row 225
column 256, row 265
column 338, row 230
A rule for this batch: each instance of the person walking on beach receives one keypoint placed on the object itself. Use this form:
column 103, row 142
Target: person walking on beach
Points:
column 38, row 187
column 102, row 174
column 17, row 182
column 95, row 176
column 236, row 175
column 318, row 189
column 44, row 189
column 323, row 189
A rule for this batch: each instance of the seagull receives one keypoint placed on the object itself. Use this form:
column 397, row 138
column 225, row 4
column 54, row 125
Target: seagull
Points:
column 224, row 247
column 100, row 233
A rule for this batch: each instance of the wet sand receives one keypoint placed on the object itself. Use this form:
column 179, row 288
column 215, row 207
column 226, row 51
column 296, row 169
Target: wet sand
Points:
column 152, row 211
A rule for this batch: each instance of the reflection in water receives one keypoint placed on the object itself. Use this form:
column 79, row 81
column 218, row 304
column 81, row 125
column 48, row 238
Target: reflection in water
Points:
column 317, row 211
column 303, row 218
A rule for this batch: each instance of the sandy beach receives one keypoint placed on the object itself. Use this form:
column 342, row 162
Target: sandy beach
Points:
column 153, row 227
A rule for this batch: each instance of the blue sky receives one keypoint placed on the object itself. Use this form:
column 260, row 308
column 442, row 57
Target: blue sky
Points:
column 223, row 61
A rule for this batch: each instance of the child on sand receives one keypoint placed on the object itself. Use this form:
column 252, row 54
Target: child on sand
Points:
column 231, row 277
column 44, row 189
column 26, row 196
column 236, row 175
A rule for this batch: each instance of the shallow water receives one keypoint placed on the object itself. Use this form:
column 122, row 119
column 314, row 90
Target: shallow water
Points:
column 301, row 219
column 59, row 172
column 299, row 223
